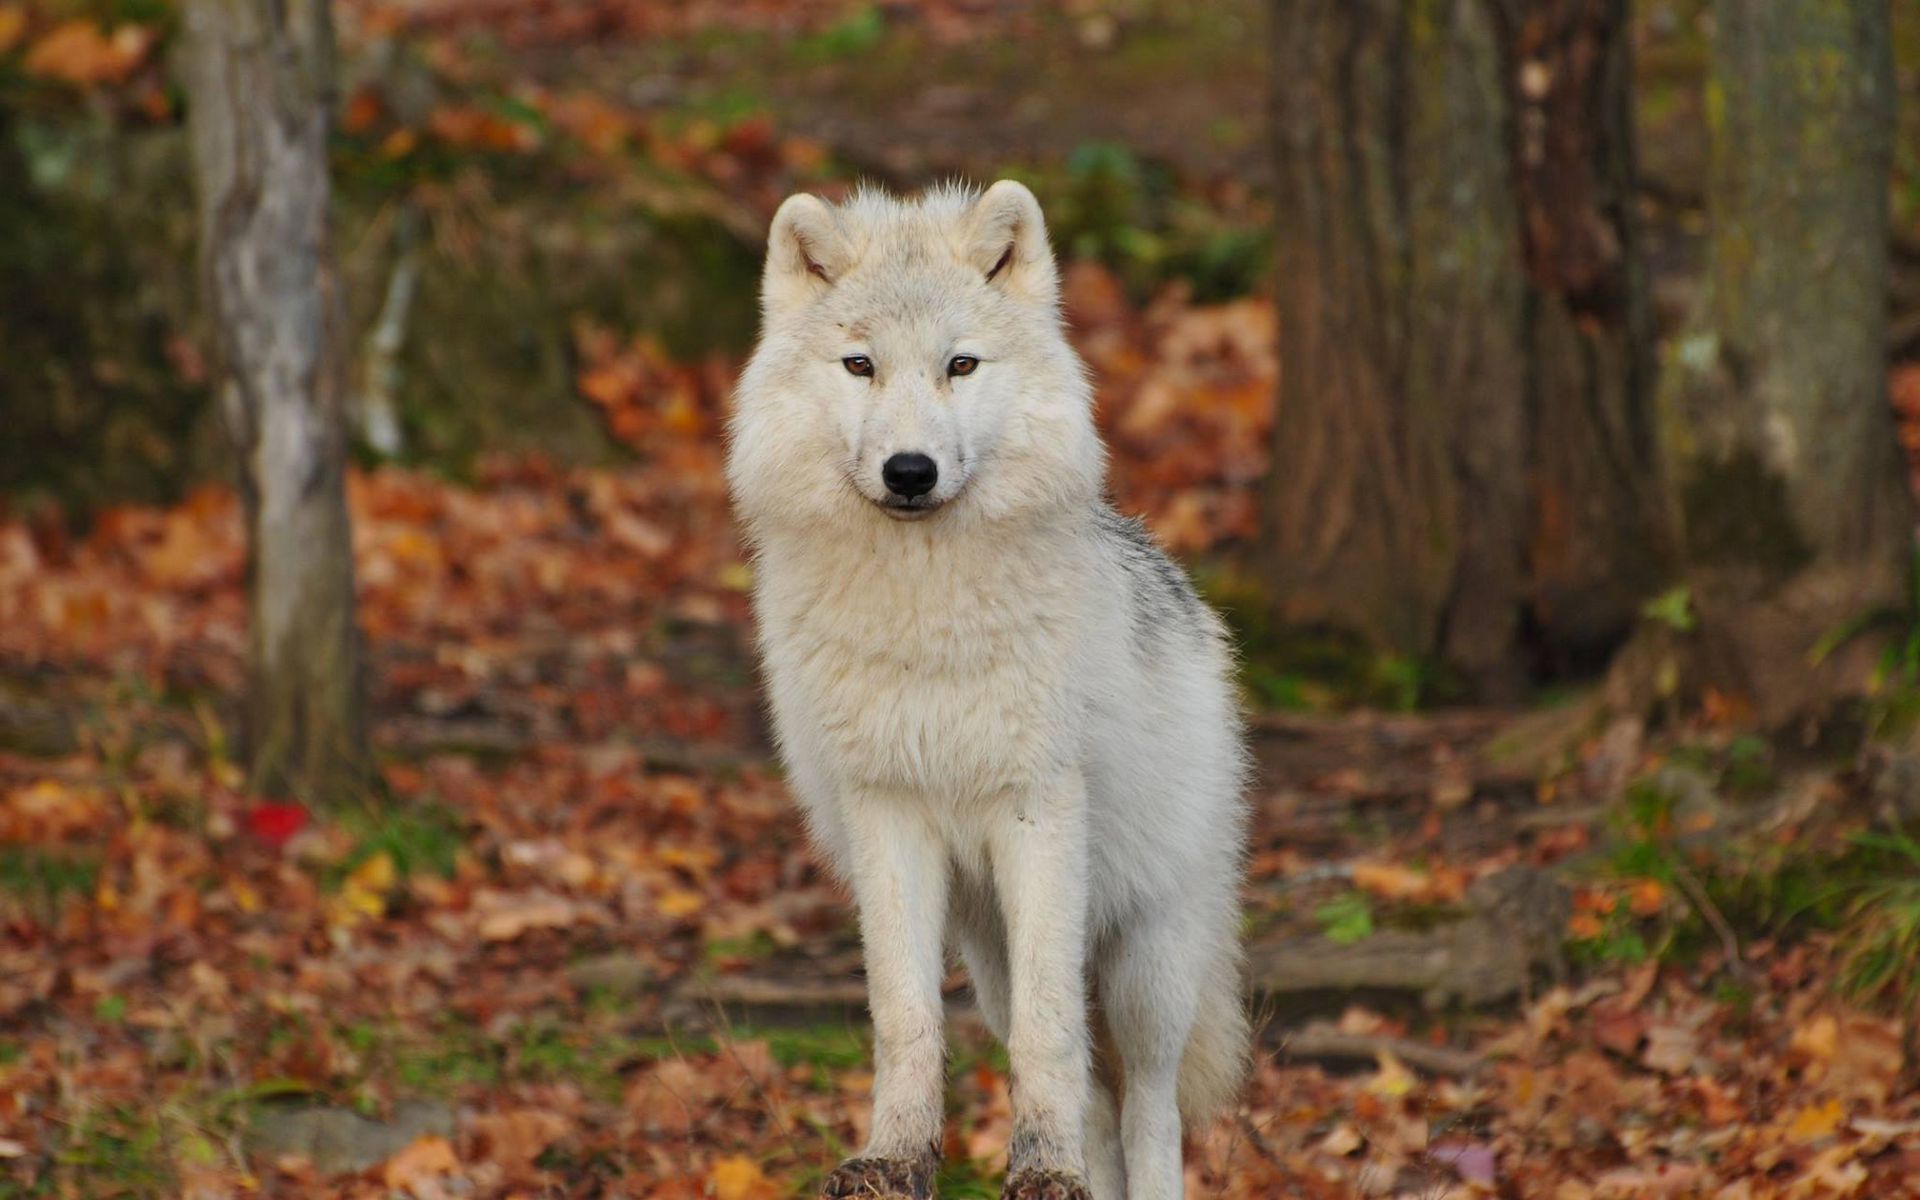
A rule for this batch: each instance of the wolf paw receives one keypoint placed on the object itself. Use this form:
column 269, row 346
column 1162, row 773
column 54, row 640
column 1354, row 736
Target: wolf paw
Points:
column 880, row 1179
column 1045, row 1185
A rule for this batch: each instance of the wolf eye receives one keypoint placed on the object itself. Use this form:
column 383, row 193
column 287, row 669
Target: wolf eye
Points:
column 858, row 364
column 962, row 364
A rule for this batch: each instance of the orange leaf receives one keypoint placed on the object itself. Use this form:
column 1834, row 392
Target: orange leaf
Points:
column 78, row 52
column 13, row 25
column 426, row 1158
column 739, row 1178
column 1390, row 881
column 514, row 1139
column 1647, row 898
column 364, row 109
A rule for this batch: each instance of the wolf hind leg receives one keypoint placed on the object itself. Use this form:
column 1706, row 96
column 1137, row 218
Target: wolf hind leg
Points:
column 1106, row 1160
column 1151, row 990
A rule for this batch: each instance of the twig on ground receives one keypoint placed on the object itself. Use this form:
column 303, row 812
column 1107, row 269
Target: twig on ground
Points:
column 1321, row 1040
column 1258, row 1141
column 1710, row 913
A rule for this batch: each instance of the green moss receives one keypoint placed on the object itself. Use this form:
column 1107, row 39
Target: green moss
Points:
column 96, row 271
column 1294, row 669
column 1738, row 513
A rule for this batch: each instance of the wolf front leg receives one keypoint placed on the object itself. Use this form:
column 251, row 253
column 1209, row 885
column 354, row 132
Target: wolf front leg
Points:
column 1040, row 871
column 899, row 869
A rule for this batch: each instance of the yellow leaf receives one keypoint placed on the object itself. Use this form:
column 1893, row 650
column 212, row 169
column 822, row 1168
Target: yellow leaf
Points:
column 376, row 875
column 399, row 143
column 687, row 857
column 739, row 1178
column 679, row 903
column 245, row 897
column 364, row 894
column 1394, row 1080
column 1816, row 1121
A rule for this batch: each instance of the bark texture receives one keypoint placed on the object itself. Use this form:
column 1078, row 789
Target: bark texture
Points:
column 260, row 85
column 1463, row 462
column 1797, row 519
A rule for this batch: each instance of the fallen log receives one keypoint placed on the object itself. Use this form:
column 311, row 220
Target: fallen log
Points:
column 1514, row 928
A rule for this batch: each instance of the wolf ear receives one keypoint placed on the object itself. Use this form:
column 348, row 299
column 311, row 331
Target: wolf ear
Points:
column 1006, row 240
column 806, row 252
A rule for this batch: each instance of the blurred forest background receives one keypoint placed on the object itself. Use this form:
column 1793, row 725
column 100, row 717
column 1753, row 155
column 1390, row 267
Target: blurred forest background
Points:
column 385, row 806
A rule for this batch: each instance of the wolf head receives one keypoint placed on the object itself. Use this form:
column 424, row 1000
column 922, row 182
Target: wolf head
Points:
column 912, row 367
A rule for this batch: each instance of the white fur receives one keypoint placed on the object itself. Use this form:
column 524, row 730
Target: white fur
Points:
column 1008, row 721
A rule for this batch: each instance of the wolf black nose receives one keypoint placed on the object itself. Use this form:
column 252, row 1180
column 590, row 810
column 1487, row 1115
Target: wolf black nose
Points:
column 909, row 475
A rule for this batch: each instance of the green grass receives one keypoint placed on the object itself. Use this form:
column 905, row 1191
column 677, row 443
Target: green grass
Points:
column 117, row 1152
column 752, row 947
column 855, row 35
column 1865, row 891
column 418, row 838
column 46, row 877
column 1880, row 931
column 965, row 1180
column 1346, row 919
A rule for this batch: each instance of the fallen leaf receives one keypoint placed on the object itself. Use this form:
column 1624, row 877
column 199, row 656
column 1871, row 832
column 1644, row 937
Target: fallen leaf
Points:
column 424, row 1159
column 363, row 894
column 1647, row 898
column 739, row 1178
column 679, row 903
column 1393, row 1080
column 514, row 1139
column 1472, row 1161
column 81, row 53
column 1671, row 1048
column 1816, row 1121
column 13, row 25
column 275, row 824
column 504, row 916
column 1343, row 1139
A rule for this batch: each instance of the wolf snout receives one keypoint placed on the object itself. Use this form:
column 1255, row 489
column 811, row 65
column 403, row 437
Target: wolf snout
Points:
column 909, row 476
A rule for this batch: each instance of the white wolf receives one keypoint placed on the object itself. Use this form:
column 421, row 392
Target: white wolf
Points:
column 1005, row 712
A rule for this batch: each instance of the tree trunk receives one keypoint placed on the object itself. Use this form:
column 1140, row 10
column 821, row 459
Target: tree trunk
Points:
column 1602, row 535
column 1796, row 515
column 260, row 85
column 1462, row 461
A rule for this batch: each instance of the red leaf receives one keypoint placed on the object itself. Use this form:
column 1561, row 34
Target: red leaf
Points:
column 275, row 824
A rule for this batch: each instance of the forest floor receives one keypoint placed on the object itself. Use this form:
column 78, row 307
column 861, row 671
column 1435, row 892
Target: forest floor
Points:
column 578, row 946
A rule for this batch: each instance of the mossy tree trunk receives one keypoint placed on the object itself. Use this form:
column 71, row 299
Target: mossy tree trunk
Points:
column 1463, row 461
column 260, row 91
column 1796, row 515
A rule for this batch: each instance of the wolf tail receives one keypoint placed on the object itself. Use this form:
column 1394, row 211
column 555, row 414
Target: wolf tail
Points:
column 1218, row 1049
